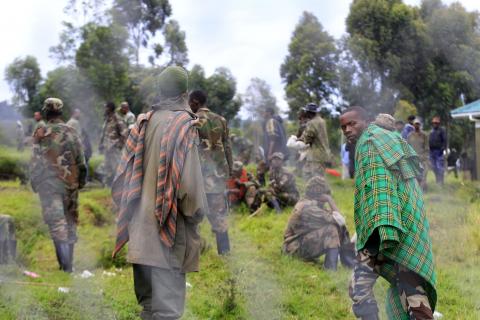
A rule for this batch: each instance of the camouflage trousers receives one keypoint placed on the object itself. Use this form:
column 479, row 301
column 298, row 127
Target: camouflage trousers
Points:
column 406, row 298
column 112, row 159
column 285, row 199
column 217, row 212
column 314, row 244
column 312, row 169
column 60, row 213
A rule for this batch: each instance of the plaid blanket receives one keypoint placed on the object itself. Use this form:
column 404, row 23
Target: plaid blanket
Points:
column 179, row 137
column 388, row 197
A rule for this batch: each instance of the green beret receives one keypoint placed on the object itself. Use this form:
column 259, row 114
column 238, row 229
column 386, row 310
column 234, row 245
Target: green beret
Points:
column 52, row 104
column 172, row 82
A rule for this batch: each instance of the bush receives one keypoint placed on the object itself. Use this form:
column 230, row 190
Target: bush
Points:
column 14, row 164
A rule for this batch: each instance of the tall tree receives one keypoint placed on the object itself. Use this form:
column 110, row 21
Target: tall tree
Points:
column 175, row 44
column 24, row 77
column 80, row 13
column 221, row 89
column 258, row 97
column 102, row 59
column 143, row 19
column 309, row 70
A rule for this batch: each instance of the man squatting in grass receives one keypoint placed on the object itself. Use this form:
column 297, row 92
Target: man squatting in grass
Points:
column 390, row 221
column 161, row 199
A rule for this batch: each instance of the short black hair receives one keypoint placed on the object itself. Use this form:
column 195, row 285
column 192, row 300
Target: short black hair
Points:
column 51, row 114
column 270, row 110
column 360, row 111
column 198, row 95
column 411, row 118
column 110, row 106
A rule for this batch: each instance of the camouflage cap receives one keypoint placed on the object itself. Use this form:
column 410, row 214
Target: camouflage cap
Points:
column 317, row 186
column 277, row 155
column 172, row 81
column 52, row 104
column 237, row 166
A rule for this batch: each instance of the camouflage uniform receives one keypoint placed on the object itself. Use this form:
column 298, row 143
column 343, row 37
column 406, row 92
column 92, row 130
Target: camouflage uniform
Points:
column 419, row 142
column 274, row 136
column 311, row 231
column 282, row 186
column 57, row 172
column 242, row 187
column 216, row 160
column 318, row 153
column 410, row 286
column 113, row 138
column 242, row 149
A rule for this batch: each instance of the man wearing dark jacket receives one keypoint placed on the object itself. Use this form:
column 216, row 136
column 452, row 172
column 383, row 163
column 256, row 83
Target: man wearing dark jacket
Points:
column 437, row 143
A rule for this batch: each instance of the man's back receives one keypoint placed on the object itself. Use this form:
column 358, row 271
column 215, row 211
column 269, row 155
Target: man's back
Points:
column 145, row 245
column 316, row 136
column 57, row 158
column 419, row 142
column 215, row 150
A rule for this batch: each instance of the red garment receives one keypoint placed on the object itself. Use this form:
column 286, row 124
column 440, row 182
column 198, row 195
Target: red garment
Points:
column 234, row 197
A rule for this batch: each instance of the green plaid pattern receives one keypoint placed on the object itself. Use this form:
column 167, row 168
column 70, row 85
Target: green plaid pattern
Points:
column 388, row 197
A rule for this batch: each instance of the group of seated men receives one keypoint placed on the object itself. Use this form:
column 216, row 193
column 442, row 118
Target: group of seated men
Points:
column 315, row 227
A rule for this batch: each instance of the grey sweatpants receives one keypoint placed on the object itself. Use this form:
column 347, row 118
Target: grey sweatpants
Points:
column 161, row 292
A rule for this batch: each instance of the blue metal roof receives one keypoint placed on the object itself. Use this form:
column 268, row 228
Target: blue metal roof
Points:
column 472, row 108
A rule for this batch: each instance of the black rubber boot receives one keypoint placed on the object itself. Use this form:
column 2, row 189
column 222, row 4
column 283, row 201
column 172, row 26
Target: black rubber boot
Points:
column 276, row 205
column 223, row 243
column 331, row 259
column 71, row 248
column 63, row 256
column 347, row 256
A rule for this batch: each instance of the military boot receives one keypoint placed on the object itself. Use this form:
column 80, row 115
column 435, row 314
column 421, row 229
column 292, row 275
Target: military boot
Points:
column 331, row 259
column 223, row 243
column 63, row 256
column 276, row 205
column 347, row 256
column 71, row 248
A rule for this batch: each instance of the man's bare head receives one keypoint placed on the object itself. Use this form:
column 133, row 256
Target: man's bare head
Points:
column 124, row 107
column 37, row 116
column 353, row 122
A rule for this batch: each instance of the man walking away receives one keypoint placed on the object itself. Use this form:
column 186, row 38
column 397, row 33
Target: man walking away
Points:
column 160, row 200
column 217, row 165
column 57, row 172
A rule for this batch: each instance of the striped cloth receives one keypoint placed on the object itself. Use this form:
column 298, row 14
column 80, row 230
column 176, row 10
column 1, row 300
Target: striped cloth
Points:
column 389, row 198
column 180, row 135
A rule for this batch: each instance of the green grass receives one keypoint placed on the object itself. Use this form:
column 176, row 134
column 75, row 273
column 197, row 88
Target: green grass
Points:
column 254, row 282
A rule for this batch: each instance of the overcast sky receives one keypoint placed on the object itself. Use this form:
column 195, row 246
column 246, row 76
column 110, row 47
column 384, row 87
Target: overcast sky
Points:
column 250, row 37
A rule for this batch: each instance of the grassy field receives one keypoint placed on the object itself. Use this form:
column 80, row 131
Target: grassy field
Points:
column 254, row 282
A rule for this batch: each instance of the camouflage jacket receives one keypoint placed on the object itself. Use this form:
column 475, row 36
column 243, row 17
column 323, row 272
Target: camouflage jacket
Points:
column 282, row 181
column 114, row 133
column 419, row 143
column 275, row 137
column 58, row 162
column 242, row 148
column 315, row 136
column 215, row 150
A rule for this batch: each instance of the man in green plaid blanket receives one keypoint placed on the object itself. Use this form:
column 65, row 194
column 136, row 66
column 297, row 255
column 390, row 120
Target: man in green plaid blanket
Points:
column 392, row 229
